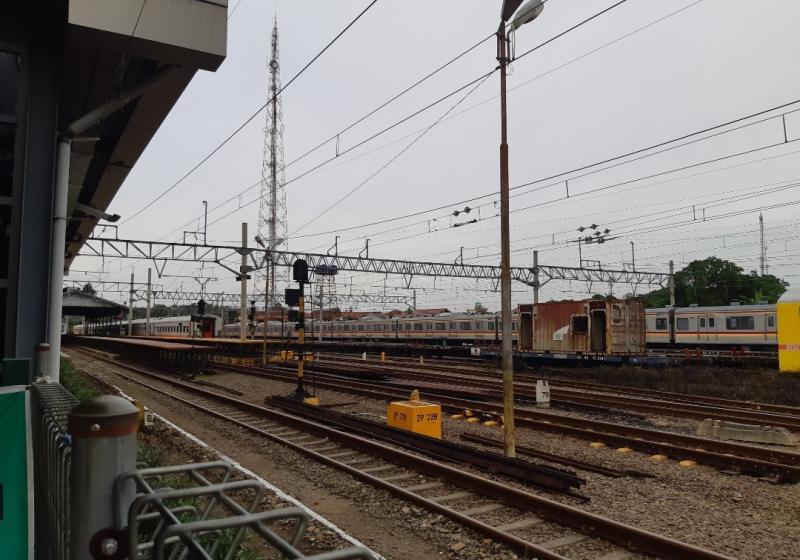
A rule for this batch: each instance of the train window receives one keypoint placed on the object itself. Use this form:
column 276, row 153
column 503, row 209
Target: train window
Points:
column 616, row 314
column 661, row 323
column 408, row 326
column 453, row 326
column 682, row 324
column 711, row 322
column 744, row 323
column 513, row 325
column 580, row 324
column 361, row 327
column 466, row 326
column 441, row 326
column 703, row 322
column 770, row 321
column 418, row 326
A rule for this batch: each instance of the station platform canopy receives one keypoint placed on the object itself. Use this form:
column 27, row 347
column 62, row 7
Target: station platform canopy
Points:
column 83, row 304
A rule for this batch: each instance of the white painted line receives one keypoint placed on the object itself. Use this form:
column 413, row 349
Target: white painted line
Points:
column 274, row 489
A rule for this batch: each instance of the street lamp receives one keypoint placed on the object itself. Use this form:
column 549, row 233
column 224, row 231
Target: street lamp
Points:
column 526, row 14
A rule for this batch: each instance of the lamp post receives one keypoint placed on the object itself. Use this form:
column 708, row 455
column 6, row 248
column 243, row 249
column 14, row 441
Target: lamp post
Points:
column 526, row 14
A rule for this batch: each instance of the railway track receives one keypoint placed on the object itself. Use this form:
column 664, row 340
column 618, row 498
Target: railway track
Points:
column 726, row 456
column 567, row 393
column 517, row 516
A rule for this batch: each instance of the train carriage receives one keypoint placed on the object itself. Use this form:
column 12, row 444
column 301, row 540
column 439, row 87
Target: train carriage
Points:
column 745, row 326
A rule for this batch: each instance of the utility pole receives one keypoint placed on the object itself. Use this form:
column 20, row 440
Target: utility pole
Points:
column 671, row 284
column 147, row 312
column 321, row 306
column 243, row 279
column 633, row 258
column 507, row 363
column 130, row 309
column 266, row 316
column 535, row 277
column 763, row 258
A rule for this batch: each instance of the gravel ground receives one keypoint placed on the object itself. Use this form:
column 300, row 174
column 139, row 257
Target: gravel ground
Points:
column 389, row 526
column 736, row 515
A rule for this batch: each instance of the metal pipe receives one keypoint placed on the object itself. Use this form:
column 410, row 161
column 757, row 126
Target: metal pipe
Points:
column 505, row 272
column 60, row 194
column 103, row 434
column 57, row 247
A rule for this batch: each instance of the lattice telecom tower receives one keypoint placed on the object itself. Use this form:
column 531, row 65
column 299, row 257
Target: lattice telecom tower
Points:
column 272, row 208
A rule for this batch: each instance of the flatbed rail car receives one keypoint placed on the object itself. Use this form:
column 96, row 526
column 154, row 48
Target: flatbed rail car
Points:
column 752, row 327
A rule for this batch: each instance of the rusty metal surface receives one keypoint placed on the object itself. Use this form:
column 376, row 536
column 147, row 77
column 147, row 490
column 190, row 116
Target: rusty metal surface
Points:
column 624, row 327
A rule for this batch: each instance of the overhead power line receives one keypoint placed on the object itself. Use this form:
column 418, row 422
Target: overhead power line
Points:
column 585, row 167
column 401, row 121
column 251, row 117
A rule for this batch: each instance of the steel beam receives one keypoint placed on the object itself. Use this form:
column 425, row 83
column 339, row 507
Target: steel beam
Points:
column 187, row 252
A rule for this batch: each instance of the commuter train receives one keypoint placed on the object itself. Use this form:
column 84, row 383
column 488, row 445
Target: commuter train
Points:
column 439, row 329
column 741, row 326
column 752, row 327
column 183, row 327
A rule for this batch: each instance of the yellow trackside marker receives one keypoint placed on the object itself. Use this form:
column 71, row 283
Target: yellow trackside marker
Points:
column 659, row 458
column 490, row 423
column 624, row 450
column 597, row 445
column 456, row 416
column 473, row 419
column 383, row 356
column 688, row 464
column 467, row 412
column 311, row 400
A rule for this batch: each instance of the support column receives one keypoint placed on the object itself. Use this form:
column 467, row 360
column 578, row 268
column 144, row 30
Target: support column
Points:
column 671, row 284
column 243, row 278
column 130, row 309
column 57, row 244
column 149, row 293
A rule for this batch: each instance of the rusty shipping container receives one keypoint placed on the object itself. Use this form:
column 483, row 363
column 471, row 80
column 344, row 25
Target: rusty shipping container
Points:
column 613, row 327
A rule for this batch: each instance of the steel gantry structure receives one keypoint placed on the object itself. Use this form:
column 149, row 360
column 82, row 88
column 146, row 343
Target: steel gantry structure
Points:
column 160, row 252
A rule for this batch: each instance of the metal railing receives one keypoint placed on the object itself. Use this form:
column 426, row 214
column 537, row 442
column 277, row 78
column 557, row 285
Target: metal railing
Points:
column 50, row 404
column 202, row 511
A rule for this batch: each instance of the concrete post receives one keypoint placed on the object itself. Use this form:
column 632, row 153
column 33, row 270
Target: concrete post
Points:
column 243, row 277
column 535, row 277
column 671, row 284
column 130, row 309
column 147, row 312
column 103, row 434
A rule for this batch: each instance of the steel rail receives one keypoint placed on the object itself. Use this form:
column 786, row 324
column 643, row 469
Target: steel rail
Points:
column 742, row 458
column 632, row 538
column 570, row 397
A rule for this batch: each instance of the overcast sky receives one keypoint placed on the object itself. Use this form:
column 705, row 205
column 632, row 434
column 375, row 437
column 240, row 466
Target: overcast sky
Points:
column 643, row 73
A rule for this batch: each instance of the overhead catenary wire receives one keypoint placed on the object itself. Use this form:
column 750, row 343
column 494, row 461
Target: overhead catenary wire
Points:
column 251, row 117
column 396, row 156
column 404, row 119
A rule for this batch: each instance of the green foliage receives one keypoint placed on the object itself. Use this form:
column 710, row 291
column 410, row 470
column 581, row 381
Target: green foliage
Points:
column 714, row 281
column 76, row 382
